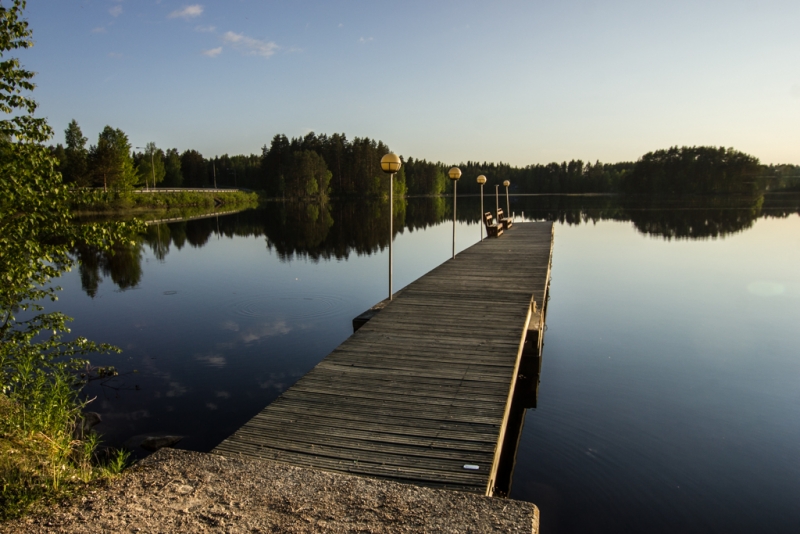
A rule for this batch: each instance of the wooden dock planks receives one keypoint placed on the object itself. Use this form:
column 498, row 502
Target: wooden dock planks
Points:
column 424, row 387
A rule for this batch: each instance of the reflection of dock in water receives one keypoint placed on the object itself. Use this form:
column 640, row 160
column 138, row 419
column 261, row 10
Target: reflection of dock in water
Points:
column 422, row 393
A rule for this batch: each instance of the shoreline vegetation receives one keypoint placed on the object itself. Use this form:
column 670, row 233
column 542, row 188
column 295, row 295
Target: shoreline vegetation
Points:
column 323, row 166
column 47, row 447
column 133, row 201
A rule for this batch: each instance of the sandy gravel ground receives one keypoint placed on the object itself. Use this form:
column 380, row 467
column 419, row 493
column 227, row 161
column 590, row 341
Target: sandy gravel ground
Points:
column 180, row 491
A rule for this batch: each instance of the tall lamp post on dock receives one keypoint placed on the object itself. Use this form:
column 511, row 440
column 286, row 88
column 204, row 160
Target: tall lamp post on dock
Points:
column 390, row 164
column 496, row 200
column 481, row 180
column 508, row 206
column 454, row 174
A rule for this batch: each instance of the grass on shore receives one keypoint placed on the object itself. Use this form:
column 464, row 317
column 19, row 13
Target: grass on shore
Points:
column 115, row 201
column 42, row 457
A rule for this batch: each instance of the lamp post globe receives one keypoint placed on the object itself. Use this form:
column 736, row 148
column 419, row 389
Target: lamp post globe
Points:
column 454, row 174
column 508, row 205
column 481, row 181
column 390, row 164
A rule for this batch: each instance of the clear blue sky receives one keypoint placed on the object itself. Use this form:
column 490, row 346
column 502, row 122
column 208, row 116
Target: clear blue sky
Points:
column 520, row 82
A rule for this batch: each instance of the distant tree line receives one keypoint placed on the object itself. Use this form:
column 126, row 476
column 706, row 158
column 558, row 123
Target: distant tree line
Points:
column 336, row 229
column 321, row 166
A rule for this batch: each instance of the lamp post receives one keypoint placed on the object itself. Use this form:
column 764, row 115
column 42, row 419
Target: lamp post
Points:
column 390, row 164
column 508, row 206
column 496, row 200
column 454, row 174
column 481, row 180
column 152, row 167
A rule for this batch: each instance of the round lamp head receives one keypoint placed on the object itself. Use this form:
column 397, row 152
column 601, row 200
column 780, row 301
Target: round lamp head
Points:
column 506, row 183
column 390, row 163
column 454, row 173
column 481, row 179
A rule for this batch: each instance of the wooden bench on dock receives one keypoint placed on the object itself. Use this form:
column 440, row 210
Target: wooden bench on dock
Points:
column 505, row 221
column 492, row 229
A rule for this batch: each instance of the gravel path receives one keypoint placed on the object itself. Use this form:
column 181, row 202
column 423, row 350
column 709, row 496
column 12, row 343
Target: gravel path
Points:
column 181, row 491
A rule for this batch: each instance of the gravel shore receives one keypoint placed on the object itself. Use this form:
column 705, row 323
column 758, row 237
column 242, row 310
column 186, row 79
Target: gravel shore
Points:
column 181, row 491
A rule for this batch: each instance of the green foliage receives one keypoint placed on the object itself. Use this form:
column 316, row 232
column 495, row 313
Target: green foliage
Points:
column 782, row 177
column 136, row 200
column 306, row 175
column 39, row 391
column 111, row 162
column 194, row 169
column 424, row 178
column 172, row 169
column 150, row 165
column 354, row 166
column 694, row 170
column 75, row 167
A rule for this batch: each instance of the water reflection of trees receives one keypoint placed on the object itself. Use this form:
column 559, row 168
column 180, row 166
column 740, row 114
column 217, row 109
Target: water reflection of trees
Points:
column 337, row 229
column 122, row 263
column 696, row 219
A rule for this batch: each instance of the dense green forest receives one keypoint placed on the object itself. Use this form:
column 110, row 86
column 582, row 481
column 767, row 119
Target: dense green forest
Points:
column 322, row 166
column 336, row 229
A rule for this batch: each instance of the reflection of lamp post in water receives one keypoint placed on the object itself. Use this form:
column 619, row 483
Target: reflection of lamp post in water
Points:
column 152, row 167
column 390, row 164
column 481, row 180
column 454, row 174
column 508, row 206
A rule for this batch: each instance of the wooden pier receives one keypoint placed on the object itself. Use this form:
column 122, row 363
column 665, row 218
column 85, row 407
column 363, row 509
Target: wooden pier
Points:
column 421, row 393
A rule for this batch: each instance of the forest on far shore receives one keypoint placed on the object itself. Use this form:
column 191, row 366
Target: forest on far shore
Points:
column 321, row 166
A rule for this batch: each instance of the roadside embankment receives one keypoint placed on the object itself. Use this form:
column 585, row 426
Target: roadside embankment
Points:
column 181, row 491
column 111, row 202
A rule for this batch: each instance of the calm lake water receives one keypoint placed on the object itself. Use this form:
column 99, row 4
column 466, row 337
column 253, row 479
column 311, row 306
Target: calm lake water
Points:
column 669, row 396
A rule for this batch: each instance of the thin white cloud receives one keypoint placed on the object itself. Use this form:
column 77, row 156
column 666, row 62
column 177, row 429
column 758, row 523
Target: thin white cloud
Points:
column 214, row 52
column 250, row 46
column 211, row 359
column 99, row 29
column 363, row 41
column 188, row 12
column 264, row 331
column 205, row 29
column 115, row 11
column 230, row 325
column 176, row 389
column 115, row 55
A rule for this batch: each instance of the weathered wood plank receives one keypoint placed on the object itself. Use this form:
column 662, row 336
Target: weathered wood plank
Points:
column 424, row 386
